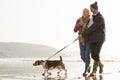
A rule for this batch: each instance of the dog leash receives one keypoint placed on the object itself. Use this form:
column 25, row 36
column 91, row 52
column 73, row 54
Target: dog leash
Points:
column 62, row 49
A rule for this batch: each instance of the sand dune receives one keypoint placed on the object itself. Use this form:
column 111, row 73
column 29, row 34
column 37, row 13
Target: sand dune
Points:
column 23, row 50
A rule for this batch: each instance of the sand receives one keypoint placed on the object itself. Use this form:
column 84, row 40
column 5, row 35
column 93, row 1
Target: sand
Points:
column 22, row 69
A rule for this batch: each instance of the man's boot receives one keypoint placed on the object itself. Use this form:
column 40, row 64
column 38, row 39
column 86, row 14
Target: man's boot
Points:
column 101, row 67
column 95, row 65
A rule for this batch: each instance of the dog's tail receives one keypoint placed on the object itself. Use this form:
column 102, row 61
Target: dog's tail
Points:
column 61, row 58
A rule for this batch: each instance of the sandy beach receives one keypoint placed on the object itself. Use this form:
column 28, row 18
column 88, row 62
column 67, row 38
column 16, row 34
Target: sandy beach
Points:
column 22, row 69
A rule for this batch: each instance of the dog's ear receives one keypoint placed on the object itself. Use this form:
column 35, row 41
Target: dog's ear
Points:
column 42, row 61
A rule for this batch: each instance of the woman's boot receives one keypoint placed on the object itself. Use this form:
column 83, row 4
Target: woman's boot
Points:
column 87, row 68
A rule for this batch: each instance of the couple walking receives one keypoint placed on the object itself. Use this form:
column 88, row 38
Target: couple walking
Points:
column 91, row 37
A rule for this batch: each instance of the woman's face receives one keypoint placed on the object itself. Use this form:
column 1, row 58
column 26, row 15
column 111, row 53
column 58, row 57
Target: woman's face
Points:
column 86, row 13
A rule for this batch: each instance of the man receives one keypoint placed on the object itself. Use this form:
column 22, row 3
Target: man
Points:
column 96, row 37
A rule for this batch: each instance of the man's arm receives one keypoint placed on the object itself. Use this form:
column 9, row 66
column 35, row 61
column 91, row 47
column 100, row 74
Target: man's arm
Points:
column 96, row 25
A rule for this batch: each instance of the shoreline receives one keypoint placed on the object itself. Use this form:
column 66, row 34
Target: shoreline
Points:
column 22, row 69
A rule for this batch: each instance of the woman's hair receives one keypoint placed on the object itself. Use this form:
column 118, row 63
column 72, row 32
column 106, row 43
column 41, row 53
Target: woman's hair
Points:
column 86, row 9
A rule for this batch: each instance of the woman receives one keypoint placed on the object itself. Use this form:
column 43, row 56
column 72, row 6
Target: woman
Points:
column 81, row 25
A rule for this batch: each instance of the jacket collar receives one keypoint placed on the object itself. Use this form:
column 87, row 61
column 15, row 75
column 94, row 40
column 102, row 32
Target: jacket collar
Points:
column 94, row 15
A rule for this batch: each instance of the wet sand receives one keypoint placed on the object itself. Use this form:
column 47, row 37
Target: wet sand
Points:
column 22, row 69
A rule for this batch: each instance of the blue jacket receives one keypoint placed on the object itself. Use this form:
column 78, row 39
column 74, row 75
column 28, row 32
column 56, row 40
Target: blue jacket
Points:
column 96, row 33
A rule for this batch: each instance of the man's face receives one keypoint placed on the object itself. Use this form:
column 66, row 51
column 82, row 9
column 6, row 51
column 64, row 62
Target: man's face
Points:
column 92, row 9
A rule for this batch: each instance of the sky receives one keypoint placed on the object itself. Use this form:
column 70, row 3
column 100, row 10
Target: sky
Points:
column 51, row 22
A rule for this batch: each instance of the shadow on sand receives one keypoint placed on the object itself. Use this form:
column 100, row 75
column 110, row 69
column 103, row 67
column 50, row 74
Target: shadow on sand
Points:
column 55, row 78
column 97, row 77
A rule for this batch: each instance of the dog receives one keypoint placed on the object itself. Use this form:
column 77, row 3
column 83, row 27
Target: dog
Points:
column 51, row 64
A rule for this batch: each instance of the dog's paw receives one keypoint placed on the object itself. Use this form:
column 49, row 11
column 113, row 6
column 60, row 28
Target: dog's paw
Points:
column 43, row 74
column 50, row 73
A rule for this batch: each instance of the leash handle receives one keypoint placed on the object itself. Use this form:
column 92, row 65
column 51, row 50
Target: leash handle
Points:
column 62, row 48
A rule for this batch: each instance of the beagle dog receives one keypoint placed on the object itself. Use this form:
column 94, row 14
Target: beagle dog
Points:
column 51, row 64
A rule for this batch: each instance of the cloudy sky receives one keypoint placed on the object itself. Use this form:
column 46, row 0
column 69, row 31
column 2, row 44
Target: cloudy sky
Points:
column 51, row 22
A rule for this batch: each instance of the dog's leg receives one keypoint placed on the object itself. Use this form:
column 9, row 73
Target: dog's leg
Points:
column 49, row 73
column 65, row 72
column 44, row 74
column 58, row 73
column 63, row 67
